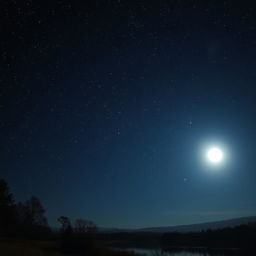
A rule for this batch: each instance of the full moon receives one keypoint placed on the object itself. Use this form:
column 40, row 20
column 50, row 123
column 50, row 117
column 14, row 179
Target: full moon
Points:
column 215, row 155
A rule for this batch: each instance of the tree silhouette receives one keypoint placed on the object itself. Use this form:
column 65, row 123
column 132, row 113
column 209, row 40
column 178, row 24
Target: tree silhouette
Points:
column 83, row 226
column 26, row 219
column 36, row 212
column 7, row 208
column 66, row 226
column 6, row 197
column 31, row 213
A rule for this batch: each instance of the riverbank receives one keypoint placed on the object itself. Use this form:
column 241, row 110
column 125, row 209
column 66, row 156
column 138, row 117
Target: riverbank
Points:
column 27, row 247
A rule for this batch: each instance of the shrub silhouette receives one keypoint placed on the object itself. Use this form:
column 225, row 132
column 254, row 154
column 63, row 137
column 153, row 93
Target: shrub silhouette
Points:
column 83, row 226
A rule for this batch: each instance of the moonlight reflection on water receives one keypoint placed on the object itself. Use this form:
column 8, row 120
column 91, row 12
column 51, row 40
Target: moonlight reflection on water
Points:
column 194, row 252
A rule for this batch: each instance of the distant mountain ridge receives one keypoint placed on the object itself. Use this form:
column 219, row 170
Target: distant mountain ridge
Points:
column 187, row 228
column 201, row 226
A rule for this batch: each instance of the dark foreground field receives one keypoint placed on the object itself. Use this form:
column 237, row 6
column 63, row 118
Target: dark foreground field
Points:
column 20, row 247
column 24, row 247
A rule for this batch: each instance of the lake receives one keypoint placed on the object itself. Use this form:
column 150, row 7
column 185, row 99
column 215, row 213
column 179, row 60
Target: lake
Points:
column 199, row 252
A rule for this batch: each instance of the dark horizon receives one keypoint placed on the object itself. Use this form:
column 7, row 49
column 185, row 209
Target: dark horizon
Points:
column 130, row 114
column 179, row 225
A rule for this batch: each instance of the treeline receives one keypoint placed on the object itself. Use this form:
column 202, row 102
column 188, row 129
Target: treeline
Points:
column 240, row 237
column 28, row 218
column 21, row 218
column 243, row 237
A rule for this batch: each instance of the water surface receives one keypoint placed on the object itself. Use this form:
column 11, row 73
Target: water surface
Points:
column 151, row 252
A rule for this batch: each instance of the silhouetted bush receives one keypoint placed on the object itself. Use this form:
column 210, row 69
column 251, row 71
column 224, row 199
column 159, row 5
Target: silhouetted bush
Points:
column 82, row 226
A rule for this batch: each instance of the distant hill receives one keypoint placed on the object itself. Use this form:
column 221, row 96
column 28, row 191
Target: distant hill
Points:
column 114, row 230
column 186, row 228
column 200, row 226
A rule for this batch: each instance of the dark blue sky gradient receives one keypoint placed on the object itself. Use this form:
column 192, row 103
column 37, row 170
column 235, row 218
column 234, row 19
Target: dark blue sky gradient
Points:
column 105, row 107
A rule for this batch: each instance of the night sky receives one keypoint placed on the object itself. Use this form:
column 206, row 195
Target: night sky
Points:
column 106, row 108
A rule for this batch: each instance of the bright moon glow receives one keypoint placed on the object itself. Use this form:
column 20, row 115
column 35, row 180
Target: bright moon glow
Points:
column 214, row 155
